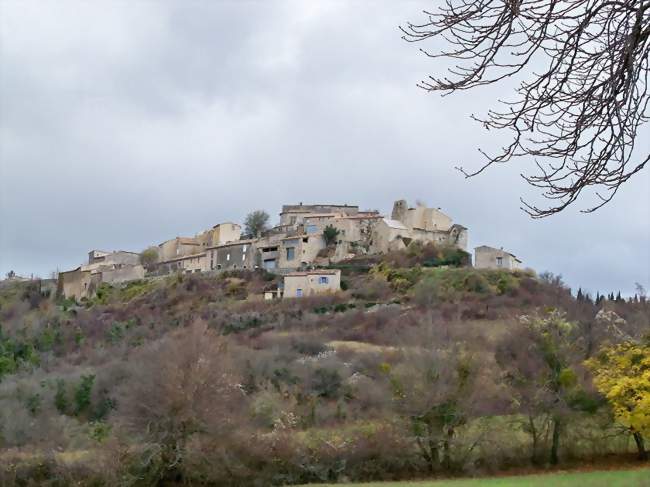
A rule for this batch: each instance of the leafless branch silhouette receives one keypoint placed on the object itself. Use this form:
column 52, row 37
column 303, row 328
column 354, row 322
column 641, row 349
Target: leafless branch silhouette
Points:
column 579, row 117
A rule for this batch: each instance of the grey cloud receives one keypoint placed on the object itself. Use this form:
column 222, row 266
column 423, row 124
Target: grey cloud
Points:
column 126, row 123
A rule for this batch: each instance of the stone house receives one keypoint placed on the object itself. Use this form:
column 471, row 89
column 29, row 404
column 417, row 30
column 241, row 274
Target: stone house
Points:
column 420, row 224
column 114, row 267
column 80, row 283
column 311, row 283
column 491, row 258
column 358, row 228
column 186, row 264
column 220, row 234
column 238, row 255
column 421, row 217
column 178, row 247
column 95, row 256
column 389, row 235
column 297, row 241
column 269, row 252
column 120, row 274
column 299, row 251
column 295, row 214
column 77, row 283
column 100, row 258
column 355, row 231
column 313, row 223
column 109, row 267
column 190, row 254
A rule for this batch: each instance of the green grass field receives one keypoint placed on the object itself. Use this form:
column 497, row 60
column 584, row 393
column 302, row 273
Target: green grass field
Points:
column 611, row 478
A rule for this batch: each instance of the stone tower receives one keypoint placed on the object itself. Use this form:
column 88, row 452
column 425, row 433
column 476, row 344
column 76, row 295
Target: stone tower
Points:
column 399, row 211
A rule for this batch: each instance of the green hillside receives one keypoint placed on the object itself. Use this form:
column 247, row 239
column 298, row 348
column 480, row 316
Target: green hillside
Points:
column 417, row 369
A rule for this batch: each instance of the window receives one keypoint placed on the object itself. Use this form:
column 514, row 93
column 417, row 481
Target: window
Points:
column 227, row 256
column 291, row 253
column 299, row 293
column 311, row 228
column 305, row 240
column 243, row 249
column 323, row 280
column 499, row 261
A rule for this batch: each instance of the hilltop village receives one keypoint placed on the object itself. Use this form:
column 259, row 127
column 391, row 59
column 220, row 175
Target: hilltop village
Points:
column 307, row 238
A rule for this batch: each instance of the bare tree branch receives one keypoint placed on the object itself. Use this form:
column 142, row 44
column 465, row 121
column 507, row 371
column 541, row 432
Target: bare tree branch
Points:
column 579, row 116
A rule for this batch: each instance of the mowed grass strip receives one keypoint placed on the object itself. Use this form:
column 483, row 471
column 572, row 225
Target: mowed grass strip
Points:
column 609, row 478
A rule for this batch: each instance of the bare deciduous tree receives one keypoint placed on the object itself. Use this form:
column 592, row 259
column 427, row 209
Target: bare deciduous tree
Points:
column 436, row 391
column 580, row 110
column 539, row 364
column 183, row 387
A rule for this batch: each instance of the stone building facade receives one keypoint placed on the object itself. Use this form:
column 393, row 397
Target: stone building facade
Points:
column 239, row 255
column 177, row 247
column 311, row 283
column 219, row 234
column 109, row 267
column 491, row 258
column 296, row 243
column 77, row 283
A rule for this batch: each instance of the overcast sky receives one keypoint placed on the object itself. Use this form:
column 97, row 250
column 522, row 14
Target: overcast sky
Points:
column 125, row 123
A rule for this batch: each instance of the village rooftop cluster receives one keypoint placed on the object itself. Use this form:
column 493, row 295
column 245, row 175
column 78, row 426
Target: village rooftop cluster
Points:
column 296, row 247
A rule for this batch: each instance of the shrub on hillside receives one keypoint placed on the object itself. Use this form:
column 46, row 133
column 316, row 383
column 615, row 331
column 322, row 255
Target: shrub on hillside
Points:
column 427, row 255
column 182, row 387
